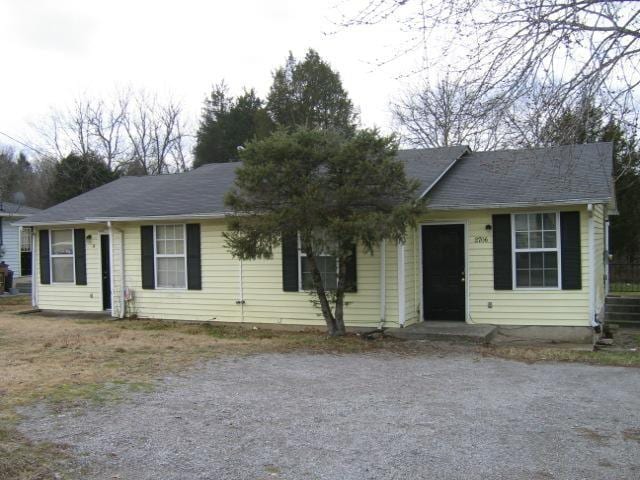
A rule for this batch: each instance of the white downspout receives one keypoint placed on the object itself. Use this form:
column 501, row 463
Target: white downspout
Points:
column 401, row 286
column 34, row 282
column 241, row 289
column 607, row 285
column 383, row 282
column 111, row 286
column 592, row 280
column 122, row 287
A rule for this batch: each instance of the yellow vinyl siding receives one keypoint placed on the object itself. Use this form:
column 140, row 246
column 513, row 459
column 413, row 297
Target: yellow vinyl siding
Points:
column 266, row 302
column 599, row 226
column 518, row 306
column 69, row 296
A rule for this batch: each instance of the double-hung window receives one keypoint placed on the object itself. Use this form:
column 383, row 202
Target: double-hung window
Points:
column 536, row 250
column 328, row 266
column 62, row 258
column 170, row 256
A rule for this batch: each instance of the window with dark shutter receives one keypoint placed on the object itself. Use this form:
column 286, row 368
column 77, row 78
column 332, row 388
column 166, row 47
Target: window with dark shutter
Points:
column 45, row 262
column 194, row 269
column 570, row 250
column 290, row 263
column 147, row 258
column 502, row 268
column 80, row 255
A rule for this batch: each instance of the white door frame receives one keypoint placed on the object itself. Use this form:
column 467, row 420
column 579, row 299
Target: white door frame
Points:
column 467, row 277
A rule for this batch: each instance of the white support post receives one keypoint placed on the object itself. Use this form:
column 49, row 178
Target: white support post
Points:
column 383, row 282
column 401, row 285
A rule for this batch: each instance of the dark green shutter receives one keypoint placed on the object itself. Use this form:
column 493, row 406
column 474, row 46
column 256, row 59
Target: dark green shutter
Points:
column 45, row 261
column 352, row 272
column 290, row 263
column 194, row 269
column 80, row 256
column 570, row 250
column 502, row 267
column 148, row 267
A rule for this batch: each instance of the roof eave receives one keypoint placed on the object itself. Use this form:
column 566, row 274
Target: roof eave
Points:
column 544, row 203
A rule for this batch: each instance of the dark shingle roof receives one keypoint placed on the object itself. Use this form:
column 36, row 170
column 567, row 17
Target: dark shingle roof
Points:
column 564, row 174
column 552, row 175
column 14, row 210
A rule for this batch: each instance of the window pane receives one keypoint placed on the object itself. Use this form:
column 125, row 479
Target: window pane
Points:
column 171, row 273
column 536, row 278
column 62, row 242
column 522, row 278
column 551, row 260
column 521, row 223
column 522, row 240
column 536, row 259
column 549, row 239
column 535, row 240
column 549, row 221
column 62, row 269
column 327, row 267
column 522, row 260
column 535, row 221
column 551, row 278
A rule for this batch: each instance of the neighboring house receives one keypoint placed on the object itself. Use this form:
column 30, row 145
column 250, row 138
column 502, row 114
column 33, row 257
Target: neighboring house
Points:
column 15, row 240
column 512, row 238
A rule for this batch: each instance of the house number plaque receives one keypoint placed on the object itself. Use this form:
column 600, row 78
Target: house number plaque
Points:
column 480, row 239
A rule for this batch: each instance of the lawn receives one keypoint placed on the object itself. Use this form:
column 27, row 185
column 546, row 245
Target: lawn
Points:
column 68, row 361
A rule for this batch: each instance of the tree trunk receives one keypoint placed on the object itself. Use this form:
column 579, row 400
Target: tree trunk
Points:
column 332, row 326
column 339, row 310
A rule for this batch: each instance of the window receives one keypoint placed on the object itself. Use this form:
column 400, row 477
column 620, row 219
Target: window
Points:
column 328, row 266
column 535, row 240
column 170, row 256
column 62, row 261
column 25, row 239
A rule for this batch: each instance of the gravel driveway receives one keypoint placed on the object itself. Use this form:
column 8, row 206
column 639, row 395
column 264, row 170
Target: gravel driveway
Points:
column 378, row 416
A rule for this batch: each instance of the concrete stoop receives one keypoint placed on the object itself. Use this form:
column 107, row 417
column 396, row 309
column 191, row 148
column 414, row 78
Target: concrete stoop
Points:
column 454, row 332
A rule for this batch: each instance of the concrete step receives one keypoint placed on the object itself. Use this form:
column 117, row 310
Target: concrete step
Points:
column 455, row 332
column 615, row 300
column 622, row 308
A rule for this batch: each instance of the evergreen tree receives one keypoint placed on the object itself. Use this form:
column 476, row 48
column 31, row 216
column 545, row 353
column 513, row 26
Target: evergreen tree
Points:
column 76, row 174
column 333, row 191
column 310, row 94
column 227, row 124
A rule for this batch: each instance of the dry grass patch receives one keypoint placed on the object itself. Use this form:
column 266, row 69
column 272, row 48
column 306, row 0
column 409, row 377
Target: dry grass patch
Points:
column 66, row 361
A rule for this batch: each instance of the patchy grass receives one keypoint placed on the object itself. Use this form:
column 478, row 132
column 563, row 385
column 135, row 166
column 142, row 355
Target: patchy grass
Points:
column 66, row 361
column 22, row 300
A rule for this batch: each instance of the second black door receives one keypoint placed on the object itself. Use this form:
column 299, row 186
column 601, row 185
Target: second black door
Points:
column 106, row 272
column 443, row 271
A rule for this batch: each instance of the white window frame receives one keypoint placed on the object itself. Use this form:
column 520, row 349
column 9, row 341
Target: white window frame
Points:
column 515, row 250
column 62, row 255
column 157, row 255
column 302, row 254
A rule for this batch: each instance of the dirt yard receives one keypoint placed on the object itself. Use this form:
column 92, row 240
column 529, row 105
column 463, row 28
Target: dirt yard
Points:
column 56, row 365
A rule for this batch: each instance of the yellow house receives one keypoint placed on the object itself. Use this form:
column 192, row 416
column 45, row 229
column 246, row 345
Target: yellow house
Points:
column 513, row 238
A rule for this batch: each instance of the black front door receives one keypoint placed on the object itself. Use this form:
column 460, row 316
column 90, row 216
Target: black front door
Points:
column 106, row 272
column 443, row 272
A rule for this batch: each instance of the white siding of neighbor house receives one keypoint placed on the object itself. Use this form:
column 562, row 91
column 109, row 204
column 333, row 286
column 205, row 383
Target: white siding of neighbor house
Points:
column 266, row 302
column 11, row 245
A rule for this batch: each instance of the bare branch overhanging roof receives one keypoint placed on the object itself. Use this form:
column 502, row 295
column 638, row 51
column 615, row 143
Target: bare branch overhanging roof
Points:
column 453, row 177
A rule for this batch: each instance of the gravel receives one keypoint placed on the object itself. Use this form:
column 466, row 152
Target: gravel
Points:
column 374, row 416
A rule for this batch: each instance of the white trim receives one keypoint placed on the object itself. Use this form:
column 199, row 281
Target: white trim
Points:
column 607, row 284
column 592, row 273
column 515, row 250
column 111, row 284
column 156, row 255
column 34, row 274
column 185, row 216
column 60, row 255
column 401, row 286
column 550, row 203
column 383, row 282
column 467, row 276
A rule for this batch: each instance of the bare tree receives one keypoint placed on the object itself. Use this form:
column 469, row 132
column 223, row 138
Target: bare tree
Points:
column 449, row 113
column 131, row 131
column 508, row 46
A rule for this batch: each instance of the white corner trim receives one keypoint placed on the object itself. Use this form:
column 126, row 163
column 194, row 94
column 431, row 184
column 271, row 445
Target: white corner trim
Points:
column 111, row 285
column 34, row 273
column 401, row 285
column 383, row 282
column 592, row 280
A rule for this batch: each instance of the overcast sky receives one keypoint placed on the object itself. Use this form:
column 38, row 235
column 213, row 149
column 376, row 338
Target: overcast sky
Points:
column 55, row 50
